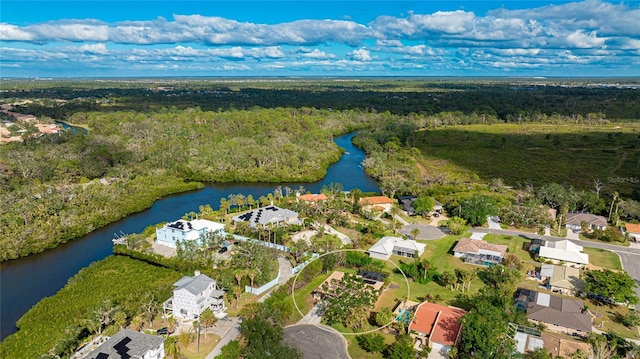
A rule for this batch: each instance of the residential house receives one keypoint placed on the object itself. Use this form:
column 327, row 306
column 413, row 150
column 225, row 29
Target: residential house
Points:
column 575, row 219
column 564, row 252
column 386, row 246
column 268, row 216
column 634, row 231
column 406, row 202
column 558, row 314
column 436, row 326
column 562, row 279
column 376, row 203
column 311, row 198
column 478, row 251
column 130, row 344
column 182, row 230
column 558, row 346
column 193, row 295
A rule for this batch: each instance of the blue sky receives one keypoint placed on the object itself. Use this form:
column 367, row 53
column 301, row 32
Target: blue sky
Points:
column 319, row 38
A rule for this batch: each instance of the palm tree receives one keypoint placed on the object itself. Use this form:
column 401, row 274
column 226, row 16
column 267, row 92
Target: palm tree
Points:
column 415, row 232
column 237, row 291
column 448, row 279
column 171, row 347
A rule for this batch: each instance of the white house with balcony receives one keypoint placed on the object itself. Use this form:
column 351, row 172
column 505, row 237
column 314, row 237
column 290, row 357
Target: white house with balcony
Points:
column 193, row 295
column 183, row 230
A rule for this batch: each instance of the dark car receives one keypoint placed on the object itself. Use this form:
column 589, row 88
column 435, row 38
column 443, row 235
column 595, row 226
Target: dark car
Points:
column 162, row 331
column 222, row 250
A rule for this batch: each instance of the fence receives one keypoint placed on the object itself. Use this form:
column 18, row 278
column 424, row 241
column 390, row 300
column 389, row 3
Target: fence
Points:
column 299, row 267
column 279, row 247
column 264, row 288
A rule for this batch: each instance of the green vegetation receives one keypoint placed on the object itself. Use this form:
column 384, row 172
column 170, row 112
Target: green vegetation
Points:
column 603, row 258
column 115, row 285
column 611, row 286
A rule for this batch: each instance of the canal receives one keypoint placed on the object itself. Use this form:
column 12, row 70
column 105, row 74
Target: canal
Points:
column 25, row 281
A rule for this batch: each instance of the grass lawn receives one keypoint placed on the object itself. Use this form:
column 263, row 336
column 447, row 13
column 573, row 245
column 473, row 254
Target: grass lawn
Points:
column 303, row 298
column 206, row 346
column 611, row 317
column 603, row 258
column 352, row 344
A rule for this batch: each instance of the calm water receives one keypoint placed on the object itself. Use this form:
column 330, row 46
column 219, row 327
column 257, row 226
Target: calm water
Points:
column 25, row 281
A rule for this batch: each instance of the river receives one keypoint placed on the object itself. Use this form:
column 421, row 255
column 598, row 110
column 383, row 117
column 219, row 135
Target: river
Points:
column 25, row 281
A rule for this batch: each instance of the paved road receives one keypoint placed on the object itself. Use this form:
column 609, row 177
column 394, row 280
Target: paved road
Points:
column 316, row 341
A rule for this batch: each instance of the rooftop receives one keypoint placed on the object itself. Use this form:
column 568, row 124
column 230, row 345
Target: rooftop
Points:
column 576, row 219
column 126, row 344
column 266, row 215
column 439, row 323
column 310, row 197
column 365, row 201
column 632, row 227
column 551, row 309
column 468, row 245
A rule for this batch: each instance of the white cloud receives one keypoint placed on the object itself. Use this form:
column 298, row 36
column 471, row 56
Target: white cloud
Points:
column 580, row 39
column 100, row 49
column 317, row 54
column 360, row 55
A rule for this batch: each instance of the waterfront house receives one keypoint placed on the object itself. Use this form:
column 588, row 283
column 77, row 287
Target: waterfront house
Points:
column 311, row 198
column 183, row 230
column 436, row 326
column 376, row 203
column 268, row 216
column 558, row 314
column 576, row 219
column 478, row 251
column 193, row 295
column 387, row 246
column 130, row 344
column 564, row 252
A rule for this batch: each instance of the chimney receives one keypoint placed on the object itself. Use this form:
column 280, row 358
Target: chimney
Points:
column 197, row 272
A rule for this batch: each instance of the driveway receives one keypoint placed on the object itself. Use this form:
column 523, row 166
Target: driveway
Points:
column 572, row 235
column 427, row 232
column 316, row 342
column 227, row 330
column 493, row 224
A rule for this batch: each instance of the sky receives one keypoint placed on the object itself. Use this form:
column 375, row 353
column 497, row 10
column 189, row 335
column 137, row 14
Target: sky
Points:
column 143, row 38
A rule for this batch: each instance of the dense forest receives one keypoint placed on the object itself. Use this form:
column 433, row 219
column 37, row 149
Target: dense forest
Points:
column 150, row 138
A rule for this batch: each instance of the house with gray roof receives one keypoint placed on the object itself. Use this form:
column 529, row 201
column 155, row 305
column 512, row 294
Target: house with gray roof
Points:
column 128, row 344
column 193, row 295
column 575, row 219
column 267, row 216
column 386, row 246
column 558, row 314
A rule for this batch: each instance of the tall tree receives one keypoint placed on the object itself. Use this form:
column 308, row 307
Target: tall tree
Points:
column 484, row 334
column 616, row 286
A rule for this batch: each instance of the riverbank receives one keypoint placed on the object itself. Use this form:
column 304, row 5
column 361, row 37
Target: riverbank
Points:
column 27, row 280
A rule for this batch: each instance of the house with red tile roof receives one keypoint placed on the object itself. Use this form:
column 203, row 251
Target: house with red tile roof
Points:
column 312, row 197
column 478, row 251
column 378, row 203
column 633, row 230
column 436, row 326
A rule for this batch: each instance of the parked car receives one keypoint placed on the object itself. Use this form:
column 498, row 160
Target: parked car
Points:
column 162, row 331
column 223, row 249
